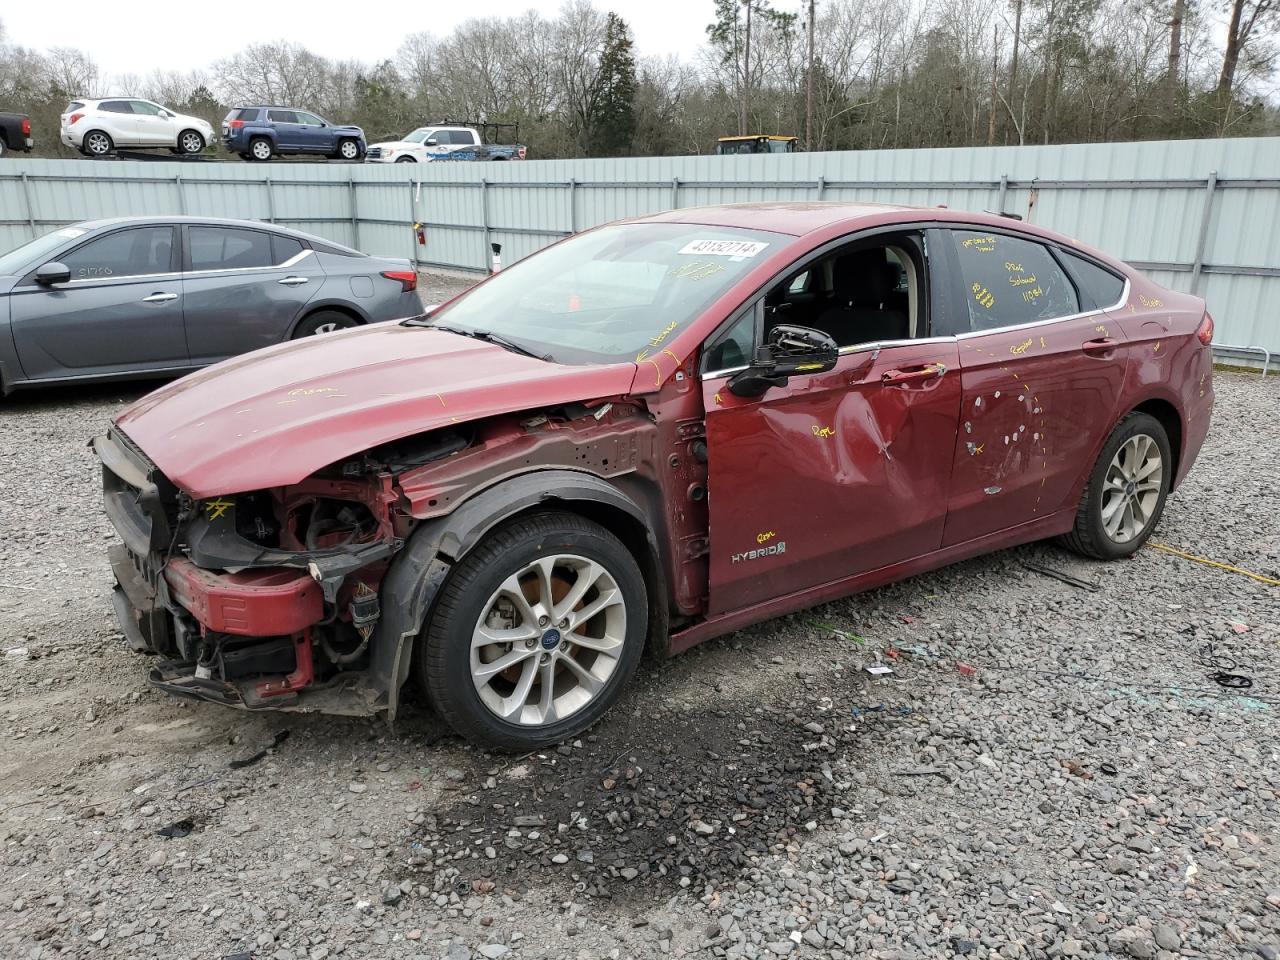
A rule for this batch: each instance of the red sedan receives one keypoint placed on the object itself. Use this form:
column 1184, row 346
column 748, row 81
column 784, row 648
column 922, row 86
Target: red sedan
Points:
column 644, row 436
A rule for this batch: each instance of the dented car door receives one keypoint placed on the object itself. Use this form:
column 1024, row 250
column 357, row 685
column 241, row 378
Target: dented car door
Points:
column 834, row 474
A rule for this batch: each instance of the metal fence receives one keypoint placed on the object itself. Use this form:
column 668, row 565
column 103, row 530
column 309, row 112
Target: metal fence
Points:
column 1199, row 215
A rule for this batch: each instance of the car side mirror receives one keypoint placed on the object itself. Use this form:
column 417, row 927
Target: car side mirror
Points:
column 53, row 272
column 791, row 351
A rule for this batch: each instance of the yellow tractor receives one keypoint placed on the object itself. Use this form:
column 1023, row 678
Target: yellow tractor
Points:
column 757, row 143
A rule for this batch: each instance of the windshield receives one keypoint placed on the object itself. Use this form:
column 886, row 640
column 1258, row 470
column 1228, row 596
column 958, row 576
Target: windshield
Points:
column 418, row 135
column 32, row 253
column 613, row 293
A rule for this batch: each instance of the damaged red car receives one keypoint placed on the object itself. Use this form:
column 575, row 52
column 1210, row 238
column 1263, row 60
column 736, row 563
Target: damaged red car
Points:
column 646, row 435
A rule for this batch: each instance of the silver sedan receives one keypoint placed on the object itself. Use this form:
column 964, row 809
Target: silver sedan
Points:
column 153, row 296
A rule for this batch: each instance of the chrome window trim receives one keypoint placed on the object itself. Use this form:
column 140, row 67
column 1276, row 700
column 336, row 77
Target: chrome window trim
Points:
column 874, row 345
column 213, row 271
column 1124, row 297
column 130, row 276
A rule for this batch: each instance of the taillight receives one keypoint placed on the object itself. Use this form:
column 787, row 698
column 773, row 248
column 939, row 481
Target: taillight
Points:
column 408, row 279
column 26, row 127
column 74, row 118
column 1205, row 333
column 235, row 124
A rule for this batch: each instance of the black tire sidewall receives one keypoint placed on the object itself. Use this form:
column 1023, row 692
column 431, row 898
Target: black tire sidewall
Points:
column 307, row 325
column 444, row 663
column 1137, row 423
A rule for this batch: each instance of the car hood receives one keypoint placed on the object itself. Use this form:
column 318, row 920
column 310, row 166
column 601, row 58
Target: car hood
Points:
column 346, row 128
column 275, row 416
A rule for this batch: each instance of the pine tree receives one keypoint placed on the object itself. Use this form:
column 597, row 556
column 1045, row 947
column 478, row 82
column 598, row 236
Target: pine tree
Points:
column 615, row 124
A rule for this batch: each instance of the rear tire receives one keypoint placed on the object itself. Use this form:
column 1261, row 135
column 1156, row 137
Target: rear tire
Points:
column 324, row 321
column 1126, row 492
column 4, row 147
column 260, row 148
column 96, row 143
column 570, row 652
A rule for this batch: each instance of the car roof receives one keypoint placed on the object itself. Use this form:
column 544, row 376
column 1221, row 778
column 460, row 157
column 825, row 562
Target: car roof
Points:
column 798, row 218
column 202, row 221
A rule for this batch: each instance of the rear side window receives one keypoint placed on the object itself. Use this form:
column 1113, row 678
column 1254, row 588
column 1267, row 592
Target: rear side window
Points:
column 460, row 137
column 284, row 249
column 74, row 105
column 227, row 248
column 244, row 113
column 115, row 106
column 125, row 253
column 1096, row 283
column 282, row 116
column 1009, row 281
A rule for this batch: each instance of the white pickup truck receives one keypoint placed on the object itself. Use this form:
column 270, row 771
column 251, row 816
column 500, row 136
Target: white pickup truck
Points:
column 444, row 142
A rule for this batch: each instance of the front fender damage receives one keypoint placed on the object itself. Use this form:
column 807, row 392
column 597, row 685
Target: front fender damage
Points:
column 420, row 570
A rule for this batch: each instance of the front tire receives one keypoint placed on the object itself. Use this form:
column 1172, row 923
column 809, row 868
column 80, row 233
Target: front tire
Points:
column 535, row 633
column 348, row 150
column 96, row 143
column 190, row 142
column 405, row 160
column 1126, row 492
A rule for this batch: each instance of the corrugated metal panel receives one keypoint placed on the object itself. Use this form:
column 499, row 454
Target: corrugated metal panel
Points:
column 1080, row 189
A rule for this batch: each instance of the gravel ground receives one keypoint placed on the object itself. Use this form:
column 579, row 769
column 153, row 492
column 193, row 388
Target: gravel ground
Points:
column 1048, row 772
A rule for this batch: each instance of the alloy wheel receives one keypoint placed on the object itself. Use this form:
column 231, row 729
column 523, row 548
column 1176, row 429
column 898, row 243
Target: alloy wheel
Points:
column 327, row 327
column 549, row 639
column 97, row 144
column 349, row 150
column 192, row 143
column 1131, row 488
column 262, row 150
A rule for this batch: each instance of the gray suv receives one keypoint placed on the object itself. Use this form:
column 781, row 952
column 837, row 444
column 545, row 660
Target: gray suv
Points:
column 151, row 296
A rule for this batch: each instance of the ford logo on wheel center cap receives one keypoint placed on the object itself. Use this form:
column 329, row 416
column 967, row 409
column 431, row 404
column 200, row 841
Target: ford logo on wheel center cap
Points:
column 551, row 639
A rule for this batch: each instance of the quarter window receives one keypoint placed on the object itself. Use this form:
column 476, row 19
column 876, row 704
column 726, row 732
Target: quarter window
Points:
column 284, row 249
column 1096, row 283
column 125, row 253
column 1008, row 281
column 225, row 248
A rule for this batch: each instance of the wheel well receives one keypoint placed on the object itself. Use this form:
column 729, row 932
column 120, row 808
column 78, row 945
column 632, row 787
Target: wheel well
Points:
column 1167, row 415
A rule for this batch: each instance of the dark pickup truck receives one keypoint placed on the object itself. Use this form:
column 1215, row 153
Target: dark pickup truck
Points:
column 15, row 133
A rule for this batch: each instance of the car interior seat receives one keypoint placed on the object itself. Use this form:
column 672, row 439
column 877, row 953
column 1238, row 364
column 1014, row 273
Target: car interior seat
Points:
column 864, row 303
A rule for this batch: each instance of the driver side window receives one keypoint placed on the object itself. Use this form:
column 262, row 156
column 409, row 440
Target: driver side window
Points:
column 1008, row 281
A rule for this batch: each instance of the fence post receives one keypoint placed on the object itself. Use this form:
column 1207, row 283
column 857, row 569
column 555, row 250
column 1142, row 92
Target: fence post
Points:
column 413, row 219
column 675, row 193
column 484, row 220
column 355, row 216
column 182, row 197
column 31, row 212
column 1210, row 186
column 822, row 186
column 1004, row 189
column 271, row 200
column 573, row 205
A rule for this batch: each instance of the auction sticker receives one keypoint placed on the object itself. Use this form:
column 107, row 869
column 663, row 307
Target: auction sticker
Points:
column 723, row 248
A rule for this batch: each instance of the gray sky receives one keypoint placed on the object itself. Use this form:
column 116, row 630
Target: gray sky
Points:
column 142, row 35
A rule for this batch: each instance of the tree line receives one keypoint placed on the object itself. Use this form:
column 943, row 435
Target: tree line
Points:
column 839, row 74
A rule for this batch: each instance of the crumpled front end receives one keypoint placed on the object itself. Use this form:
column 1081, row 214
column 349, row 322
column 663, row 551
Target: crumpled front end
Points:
column 259, row 600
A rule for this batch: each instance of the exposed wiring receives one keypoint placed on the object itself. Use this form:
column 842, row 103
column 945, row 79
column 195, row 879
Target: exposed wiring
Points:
column 1214, row 563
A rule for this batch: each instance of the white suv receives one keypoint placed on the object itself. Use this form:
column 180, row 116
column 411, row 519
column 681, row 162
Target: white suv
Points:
column 96, row 127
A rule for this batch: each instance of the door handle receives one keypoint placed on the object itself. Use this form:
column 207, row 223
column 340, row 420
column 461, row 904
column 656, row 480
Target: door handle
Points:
column 160, row 298
column 292, row 281
column 902, row 378
column 1101, row 347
